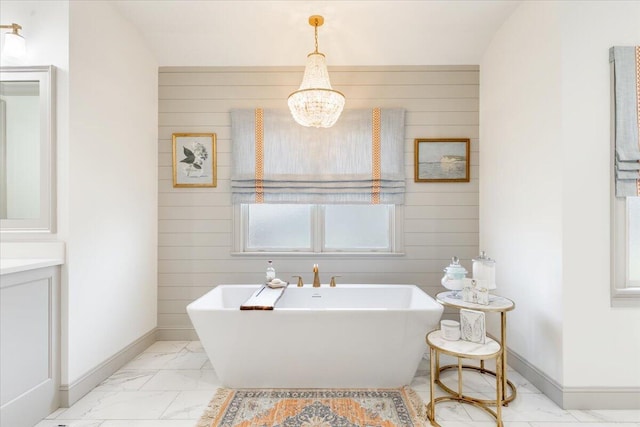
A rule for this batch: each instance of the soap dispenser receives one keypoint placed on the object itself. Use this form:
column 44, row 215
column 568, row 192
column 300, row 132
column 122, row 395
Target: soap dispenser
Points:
column 271, row 271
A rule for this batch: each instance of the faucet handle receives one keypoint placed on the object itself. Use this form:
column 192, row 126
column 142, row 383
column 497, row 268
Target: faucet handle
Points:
column 300, row 284
column 332, row 284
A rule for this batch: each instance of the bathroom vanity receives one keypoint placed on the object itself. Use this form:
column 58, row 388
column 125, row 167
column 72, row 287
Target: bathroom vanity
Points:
column 29, row 339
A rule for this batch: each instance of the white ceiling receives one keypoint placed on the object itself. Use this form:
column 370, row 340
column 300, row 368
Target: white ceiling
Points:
column 277, row 33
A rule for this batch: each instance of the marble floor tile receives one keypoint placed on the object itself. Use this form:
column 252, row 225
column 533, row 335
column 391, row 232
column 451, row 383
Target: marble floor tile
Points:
column 580, row 424
column 420, row 382
column 150, row 361
column 149, row 423
column 189, row 405
column 186, row 359
column 195, row 346
column 167, row 346
column 123, row 380
column 55, row 413
column 133, row 405
column 171, row 382
column 70, row 423
column 617, row 416
column 485, row 424
column 182, row 380
column 447, row 411
column 527, row 407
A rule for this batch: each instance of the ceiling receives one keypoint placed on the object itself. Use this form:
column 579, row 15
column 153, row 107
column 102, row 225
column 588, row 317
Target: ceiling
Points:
column 277, row 33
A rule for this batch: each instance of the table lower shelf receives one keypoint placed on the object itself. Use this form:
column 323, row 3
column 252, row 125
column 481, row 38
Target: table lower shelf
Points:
column 505, row 401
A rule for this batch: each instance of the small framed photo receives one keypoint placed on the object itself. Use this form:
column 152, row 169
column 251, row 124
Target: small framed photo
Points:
column 194, row 160
column 441, row 160
column 472, row 326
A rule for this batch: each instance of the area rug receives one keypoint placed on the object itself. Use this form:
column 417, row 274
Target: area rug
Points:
column 400, row 407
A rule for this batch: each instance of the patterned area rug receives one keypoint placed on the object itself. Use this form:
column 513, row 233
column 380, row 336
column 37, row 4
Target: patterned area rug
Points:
column 315, row 408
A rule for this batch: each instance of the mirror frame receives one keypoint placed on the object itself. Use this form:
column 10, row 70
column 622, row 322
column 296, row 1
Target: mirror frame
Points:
column 45, row 223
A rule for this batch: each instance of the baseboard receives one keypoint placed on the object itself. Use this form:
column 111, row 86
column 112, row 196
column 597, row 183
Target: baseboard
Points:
column 177, row 334
column 590, row 398
column 539, row 379
column 71, row 393
column 601, row 398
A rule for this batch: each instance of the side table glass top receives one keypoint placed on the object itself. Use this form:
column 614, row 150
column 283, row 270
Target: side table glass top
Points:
column 496, row 303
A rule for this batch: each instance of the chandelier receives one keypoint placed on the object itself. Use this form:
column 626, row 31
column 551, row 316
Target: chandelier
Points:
column 315, row 103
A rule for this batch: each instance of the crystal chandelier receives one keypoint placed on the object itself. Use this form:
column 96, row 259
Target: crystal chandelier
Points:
column 315, row 103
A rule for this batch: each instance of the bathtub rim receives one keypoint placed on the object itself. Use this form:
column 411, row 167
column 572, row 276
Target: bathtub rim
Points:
column 432, row 303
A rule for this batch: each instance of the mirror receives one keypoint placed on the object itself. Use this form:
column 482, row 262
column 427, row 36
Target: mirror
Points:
column 26, row 140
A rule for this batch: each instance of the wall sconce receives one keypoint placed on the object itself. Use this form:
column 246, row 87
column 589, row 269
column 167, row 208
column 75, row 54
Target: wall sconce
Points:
column 14, row 44
column 315, row 103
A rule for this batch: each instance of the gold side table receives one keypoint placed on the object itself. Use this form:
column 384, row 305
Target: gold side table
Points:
column 491, row 349
column 497, row 304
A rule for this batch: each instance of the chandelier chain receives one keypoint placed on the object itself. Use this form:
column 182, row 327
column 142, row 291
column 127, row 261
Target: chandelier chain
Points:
column 316, row 33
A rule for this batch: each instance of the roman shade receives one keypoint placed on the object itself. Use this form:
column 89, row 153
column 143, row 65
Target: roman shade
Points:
column 358, row 160
column 626, row 75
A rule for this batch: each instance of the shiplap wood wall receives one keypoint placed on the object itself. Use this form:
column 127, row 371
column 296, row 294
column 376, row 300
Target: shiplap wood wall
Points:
column 195, row 225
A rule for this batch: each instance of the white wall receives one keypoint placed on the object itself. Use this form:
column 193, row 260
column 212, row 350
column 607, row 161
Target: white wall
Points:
column 587, row 32
column 521, row 178
column 112, row 241
column 544, row 113
column 106, row 131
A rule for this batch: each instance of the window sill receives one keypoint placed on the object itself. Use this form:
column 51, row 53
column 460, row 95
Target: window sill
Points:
column 625, row 297
column 318, row 254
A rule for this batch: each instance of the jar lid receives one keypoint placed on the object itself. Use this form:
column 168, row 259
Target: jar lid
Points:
column 483, row 258
column 455, row 267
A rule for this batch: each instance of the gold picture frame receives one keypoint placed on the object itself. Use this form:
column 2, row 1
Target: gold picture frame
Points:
column 194, row 160
column 441, row 159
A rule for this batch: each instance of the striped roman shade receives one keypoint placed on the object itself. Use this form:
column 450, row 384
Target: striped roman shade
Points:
column 626, row 73
column 358, row 160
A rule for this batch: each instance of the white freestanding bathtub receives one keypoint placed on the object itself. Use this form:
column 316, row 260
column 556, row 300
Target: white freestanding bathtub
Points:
column 362, row 336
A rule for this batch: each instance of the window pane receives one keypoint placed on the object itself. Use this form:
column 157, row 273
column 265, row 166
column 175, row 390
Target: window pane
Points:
column 633, row 215
column 279, row 227
column 357, row 227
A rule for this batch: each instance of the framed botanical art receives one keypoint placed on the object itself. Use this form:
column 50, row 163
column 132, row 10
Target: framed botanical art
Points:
column 441, row 160
column 194, row 160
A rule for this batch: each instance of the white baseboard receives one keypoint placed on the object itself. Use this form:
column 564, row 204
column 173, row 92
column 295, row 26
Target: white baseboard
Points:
column 71, row 393
column 590, row 398
column 601, row 398
column 177, row 334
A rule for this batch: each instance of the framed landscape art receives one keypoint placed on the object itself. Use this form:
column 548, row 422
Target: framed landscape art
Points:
column 441, row 160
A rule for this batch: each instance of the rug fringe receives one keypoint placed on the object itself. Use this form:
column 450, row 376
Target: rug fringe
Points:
column 214, row 407
column 417, row 405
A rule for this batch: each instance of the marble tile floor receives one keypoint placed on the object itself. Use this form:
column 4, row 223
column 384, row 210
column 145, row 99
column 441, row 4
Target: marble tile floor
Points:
column 170, row 383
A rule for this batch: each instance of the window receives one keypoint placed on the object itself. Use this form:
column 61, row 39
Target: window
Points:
column 626, row 250
column 317, row 228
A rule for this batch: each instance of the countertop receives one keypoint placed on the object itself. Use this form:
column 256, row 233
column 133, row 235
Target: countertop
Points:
column 16, row 265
